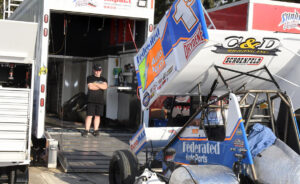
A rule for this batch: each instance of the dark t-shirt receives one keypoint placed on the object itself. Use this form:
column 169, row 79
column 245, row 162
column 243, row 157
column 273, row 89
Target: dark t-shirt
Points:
column 96, row 96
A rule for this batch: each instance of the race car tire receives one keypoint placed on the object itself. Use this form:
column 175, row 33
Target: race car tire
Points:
column 123, row 167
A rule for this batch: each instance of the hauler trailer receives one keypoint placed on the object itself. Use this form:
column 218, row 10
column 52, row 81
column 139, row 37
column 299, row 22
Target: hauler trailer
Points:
column 238, row 82
column 74, row 34
column 17, row 43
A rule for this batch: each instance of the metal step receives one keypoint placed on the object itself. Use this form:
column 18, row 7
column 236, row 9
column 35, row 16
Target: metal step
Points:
column 261, row 116
column 259, row 121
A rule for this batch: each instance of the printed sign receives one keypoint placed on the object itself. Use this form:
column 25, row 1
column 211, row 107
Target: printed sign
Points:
column 177, row 37
column 79, row 3
column 290, row 20
column 99, row 5
column 276, row 18
column 242, row 60
column 252, row 46
column 117, row 4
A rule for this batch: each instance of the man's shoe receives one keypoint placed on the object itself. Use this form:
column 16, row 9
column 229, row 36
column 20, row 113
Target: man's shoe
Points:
column 84, row 133
column 96, row 133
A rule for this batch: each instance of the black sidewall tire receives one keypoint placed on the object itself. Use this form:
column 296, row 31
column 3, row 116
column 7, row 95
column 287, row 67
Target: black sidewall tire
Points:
column 127, row 164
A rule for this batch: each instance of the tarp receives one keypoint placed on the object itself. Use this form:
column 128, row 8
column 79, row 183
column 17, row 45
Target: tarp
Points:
column 260, row 138
column 278, row 164
column 203, row 174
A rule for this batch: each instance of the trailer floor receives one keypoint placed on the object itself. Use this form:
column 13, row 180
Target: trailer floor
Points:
column 90, row 154
column 43, row 175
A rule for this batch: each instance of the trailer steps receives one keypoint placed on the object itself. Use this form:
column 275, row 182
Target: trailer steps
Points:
column 91, row 154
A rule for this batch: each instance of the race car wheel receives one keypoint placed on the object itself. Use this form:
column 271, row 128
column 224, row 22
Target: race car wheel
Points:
column 123, row 167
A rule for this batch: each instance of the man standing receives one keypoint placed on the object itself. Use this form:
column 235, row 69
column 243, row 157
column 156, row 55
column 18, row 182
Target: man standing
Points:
column 96, row 86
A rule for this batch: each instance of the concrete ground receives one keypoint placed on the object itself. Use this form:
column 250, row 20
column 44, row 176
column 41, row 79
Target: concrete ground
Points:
column 43, row 175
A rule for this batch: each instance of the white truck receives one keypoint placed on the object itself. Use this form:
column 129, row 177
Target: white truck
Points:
column 74, row 34
column 238, row 79
column 17, row 44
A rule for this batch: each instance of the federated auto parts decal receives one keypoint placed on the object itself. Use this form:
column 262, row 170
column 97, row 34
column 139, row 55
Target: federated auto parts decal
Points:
column 199, row 150
column 251, row 46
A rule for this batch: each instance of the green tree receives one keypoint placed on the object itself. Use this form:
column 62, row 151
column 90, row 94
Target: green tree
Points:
column 1, row 9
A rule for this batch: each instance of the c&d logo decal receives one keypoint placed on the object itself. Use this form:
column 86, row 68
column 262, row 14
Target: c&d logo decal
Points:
column 252, row 46
column 290, row 20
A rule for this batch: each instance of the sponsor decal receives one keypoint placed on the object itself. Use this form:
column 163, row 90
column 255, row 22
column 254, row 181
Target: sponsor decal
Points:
column 172, row 132
column 146, row 48
column 196, row 158
column 195, row 131
column 201, row 148
column 192, row 43
column 242, row 60
column 153, row 91
column 117, row 4
column 239, row 131
column 252, row 46
column 119, row 1
column 196, row 152
column 161, row 84
column 183, row 19
column 164, row 79
column 238, row 143
column 146, row 99
column 290, row 20
column 138, row 140
column 79, row 3
column 233, row 149
column 152, row 65
column 170, row 70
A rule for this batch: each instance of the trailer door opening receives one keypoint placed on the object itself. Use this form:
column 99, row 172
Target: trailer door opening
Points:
column 75, row 43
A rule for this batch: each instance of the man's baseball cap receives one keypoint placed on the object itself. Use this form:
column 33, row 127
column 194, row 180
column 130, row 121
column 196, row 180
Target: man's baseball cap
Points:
column 97, row 67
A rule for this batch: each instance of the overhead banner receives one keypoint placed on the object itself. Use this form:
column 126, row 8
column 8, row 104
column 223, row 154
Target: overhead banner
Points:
column 177, row 38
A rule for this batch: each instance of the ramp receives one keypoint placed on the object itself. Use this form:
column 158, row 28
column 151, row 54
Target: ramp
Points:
column 91, row 154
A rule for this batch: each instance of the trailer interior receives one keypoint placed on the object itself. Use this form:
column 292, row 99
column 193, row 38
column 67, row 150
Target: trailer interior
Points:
column 15, row 75
column 76, row 42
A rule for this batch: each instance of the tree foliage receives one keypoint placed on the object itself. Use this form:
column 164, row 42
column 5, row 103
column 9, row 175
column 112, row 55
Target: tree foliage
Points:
column 1, row 9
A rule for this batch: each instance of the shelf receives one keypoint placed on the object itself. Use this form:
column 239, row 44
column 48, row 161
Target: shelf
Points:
column 127, row 74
